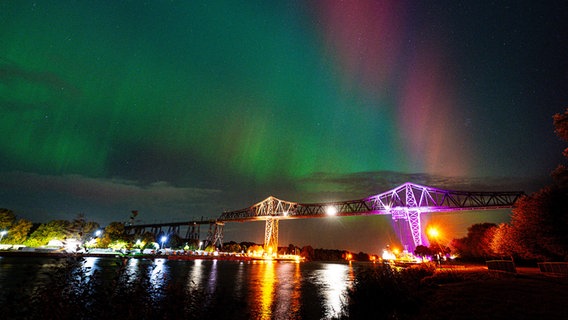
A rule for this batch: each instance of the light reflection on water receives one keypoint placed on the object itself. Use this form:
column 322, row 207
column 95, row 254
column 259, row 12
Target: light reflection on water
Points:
column 289, row 289
column 212, row 282
column 265, row 289
column 195, row 274
column 333, row 281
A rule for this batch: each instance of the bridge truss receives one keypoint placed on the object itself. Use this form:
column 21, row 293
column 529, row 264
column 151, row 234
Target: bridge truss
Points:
column 191, row 228
column 404, row 203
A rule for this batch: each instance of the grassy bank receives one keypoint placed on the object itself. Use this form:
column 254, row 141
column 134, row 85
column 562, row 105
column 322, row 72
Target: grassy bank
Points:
column 460, row 293
column 493, row 295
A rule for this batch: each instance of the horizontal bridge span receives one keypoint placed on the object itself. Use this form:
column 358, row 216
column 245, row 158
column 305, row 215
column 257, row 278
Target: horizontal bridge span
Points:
column 170, row 224
column 408, row 196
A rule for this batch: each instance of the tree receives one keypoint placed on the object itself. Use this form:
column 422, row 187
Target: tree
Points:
column 476, row 244
column 53, row 230
column 291, row 249
column 113, row 232
column 540, row 223
column 255, row 248
column 422, row 251
column 81, row 229
column 19, row 232
column 7, row 218
column 144, row 241
column 307, row 253
column 232, row 246
column 560, row 121
column 503, row 242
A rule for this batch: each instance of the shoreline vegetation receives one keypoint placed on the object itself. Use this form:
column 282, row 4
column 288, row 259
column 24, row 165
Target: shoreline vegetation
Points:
column 428, row 292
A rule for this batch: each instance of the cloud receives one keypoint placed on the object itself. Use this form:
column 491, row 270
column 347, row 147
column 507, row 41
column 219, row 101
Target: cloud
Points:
column 325, row 186
column 104, row 191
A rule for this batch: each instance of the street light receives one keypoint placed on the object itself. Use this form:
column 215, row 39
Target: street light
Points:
column 2, row 234
column 163, row 239
column 433, row 233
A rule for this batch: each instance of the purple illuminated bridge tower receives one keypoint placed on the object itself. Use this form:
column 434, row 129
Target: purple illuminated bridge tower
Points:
column 405, row 204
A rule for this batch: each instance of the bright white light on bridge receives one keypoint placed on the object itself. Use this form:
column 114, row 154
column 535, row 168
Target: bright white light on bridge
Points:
column 331, row 210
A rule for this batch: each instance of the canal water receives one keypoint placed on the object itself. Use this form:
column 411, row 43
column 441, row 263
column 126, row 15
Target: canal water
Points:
column 201, row 288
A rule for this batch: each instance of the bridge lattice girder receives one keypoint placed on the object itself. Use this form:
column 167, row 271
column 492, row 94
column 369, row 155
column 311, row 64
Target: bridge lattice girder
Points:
column 406, row 202
column 404, row 197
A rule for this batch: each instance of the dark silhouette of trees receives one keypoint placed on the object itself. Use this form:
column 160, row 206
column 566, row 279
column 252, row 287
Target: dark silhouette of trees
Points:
column 307, row 253
column 476, row 244
column 231, row 246
column 540, row 220
column 422, row 251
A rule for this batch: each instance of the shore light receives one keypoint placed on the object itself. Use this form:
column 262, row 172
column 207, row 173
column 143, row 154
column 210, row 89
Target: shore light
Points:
column 163, row 239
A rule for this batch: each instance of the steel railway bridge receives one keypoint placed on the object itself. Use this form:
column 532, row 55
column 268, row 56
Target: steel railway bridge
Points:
column 405, row 203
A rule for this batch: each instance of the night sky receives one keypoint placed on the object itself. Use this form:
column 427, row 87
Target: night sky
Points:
column 184, row 109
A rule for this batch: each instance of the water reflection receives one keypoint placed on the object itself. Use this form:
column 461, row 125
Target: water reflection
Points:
column 220, row 289
column 132, row 269
column 275, row 290
column 195, row 275
column 288, row 290
column 158, row 276
column 212, row 283
column 266, row 289
column 333, row 280
column 90, row 266
column 239, row 280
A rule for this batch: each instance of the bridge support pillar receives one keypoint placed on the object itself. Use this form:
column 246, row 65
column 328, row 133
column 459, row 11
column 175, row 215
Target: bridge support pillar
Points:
column 215, row 234
column 271, row 236
column 192, row 234
column 412, row 217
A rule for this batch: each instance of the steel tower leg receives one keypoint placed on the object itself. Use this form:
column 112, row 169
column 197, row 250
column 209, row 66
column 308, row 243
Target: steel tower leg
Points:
column 413, row 217
column 218, row 238
column 271, row 236
column 215, row 235
column 210, row 236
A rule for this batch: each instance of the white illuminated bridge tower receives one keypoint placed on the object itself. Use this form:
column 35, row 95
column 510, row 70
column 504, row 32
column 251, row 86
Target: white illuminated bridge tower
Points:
column 405, row 203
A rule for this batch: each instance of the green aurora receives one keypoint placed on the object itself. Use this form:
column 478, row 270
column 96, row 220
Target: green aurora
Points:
column 182, row 109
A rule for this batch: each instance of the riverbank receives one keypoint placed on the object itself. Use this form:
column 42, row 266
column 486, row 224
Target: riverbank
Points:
column 483, row 294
